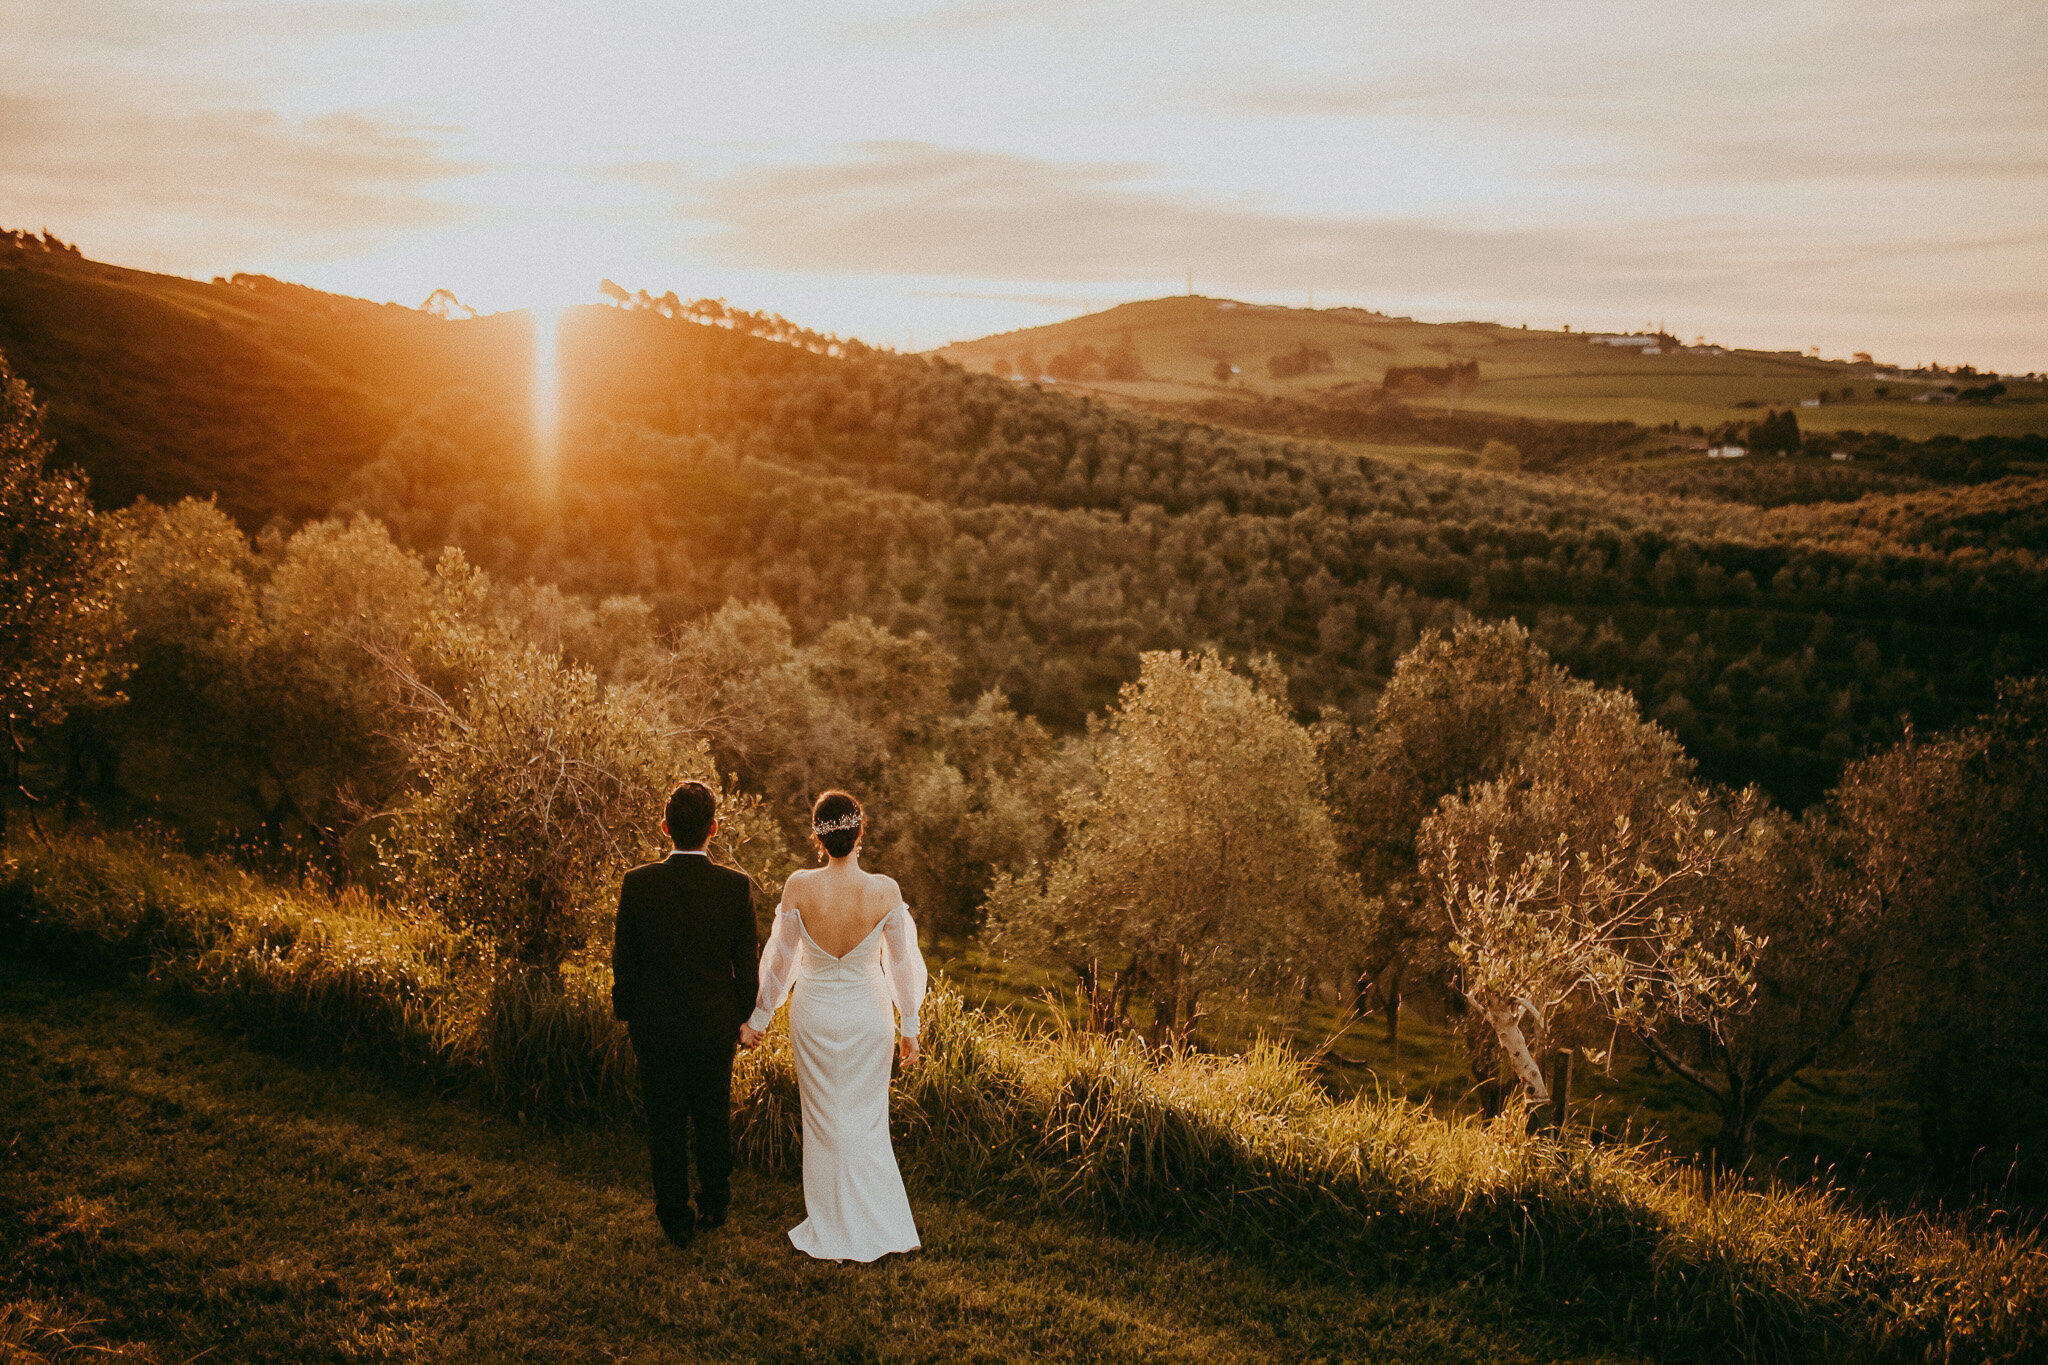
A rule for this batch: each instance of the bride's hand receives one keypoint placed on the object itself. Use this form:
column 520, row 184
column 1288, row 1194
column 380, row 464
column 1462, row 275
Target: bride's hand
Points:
column 909, row 1050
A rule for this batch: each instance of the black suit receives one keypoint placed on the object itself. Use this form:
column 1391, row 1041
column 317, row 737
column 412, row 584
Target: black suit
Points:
column 685, row 970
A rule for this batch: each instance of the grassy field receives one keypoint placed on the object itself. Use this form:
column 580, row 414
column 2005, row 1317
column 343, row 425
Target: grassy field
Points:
column 179, row 1166
column 1709, row 399
column 1524, row 373
column 1836, row 1127
column 171, row 1191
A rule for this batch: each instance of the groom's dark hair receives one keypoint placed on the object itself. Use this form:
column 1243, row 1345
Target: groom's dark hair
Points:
column 691, row 809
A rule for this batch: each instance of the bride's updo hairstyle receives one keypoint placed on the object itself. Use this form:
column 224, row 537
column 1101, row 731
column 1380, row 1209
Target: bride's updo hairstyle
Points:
column 836, row 823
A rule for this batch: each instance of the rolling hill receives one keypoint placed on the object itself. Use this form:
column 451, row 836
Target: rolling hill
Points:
column 1555, row 376
column 264, row 393
column 1044, row 538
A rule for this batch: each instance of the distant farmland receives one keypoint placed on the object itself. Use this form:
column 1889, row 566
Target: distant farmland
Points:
column 1526, row 373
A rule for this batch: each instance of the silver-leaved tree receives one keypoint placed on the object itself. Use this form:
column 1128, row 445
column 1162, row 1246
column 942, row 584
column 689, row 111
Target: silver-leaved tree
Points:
column 537, row 786
column 1204, row 859
column 1573, row 884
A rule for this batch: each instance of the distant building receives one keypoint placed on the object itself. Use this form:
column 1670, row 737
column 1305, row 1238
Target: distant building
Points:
column 1705, row 350
column 1809, row 402
column 1934, row 396
column 1728, row 452
column 1840, row 456
column 1647, row 345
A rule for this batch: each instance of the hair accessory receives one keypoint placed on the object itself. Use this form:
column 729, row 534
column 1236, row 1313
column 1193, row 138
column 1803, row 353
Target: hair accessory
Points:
column 849, row 821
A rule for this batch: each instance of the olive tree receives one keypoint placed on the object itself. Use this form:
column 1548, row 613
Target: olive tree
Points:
column 537, row 787
column 1823, row 900
column 339, row 599
column 189, row 596
column 1570, row 884
column 983, row 800
column 59, row 626
column 1204, row 858
column 1461, row 708
column 1960, row 1024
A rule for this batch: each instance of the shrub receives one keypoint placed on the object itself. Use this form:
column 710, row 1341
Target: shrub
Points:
column 550, row 1050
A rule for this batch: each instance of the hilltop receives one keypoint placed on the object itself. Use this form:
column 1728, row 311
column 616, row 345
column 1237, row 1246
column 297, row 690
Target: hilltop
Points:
column 265, row 393
column 1649, row 379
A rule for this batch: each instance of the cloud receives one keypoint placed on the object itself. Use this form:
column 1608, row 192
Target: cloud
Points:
column 253, row 173
column 913, row 208
column 950, row 19
column 181, row 23
column 1884, row 91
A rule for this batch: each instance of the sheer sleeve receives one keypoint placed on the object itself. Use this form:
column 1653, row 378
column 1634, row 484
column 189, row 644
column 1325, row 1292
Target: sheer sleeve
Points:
column 904, row 965
column 778, row 966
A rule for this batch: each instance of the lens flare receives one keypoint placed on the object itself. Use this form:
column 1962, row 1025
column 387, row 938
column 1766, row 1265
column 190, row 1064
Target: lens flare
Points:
column 547, row 397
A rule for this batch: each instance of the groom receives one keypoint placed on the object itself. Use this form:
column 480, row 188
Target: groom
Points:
column 684, row 974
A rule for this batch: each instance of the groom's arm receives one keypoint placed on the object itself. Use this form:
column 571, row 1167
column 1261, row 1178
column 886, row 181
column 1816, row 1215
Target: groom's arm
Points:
column 746, row 955
column 625, row 961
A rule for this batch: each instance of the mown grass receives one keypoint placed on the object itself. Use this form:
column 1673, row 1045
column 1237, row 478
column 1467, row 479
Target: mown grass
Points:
column 1245, row 1156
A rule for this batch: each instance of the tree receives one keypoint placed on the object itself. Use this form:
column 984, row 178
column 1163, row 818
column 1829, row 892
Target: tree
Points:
column 1823, row 901
column 60, row 628
column 1460, row 709
column 190, row 596
column 1303, row 359
column 984, row 801
column 539, row 786
column 1570, row 886
column 1960, row 1025
column 1123, row 360
column 1223, row 372
column 1498, row 454
column 1205, row 858
column 1777, row 434
column 342, row 608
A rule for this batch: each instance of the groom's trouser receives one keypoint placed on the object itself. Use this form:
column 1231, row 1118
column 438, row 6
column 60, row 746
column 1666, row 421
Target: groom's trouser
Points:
column 693, row 1086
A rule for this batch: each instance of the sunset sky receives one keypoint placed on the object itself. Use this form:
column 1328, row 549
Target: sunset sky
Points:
column 1784, row 173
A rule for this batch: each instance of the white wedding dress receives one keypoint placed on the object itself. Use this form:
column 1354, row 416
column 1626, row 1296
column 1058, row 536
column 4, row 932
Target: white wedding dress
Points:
column 843, row 1036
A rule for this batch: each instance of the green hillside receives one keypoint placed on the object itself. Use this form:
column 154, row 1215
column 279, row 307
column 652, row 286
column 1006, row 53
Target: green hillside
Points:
column 1523, row 373
column 1047, row 539
column 265, row 393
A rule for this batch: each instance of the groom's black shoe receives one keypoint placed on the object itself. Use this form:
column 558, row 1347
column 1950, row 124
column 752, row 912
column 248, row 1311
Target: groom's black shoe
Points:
column 710, row 1219
column 680, row 1230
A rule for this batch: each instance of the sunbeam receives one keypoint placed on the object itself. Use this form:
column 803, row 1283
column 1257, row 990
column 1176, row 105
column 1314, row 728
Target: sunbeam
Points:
column 547, row 397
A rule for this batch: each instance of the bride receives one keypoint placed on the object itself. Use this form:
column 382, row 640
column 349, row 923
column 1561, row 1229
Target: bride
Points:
column 844, row 942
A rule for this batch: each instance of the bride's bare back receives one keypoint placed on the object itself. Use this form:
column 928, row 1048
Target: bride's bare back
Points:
column 840, row 904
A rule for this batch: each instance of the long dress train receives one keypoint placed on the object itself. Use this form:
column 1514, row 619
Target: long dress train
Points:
column 841, row 1030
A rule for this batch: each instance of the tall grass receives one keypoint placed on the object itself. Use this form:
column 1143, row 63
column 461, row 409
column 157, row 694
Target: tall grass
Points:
column 1247, row 1151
